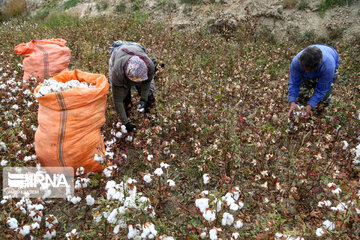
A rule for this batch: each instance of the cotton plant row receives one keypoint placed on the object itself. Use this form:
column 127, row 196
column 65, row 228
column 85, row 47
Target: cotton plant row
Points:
column 118, row 132
column 159, row 177
column 17, row 106
column 28, row 219
column 53, row 86
column 337, row 208
column 220, row 211
column 122, row 206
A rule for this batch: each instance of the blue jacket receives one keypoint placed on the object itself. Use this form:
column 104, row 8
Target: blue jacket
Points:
column 324, row 73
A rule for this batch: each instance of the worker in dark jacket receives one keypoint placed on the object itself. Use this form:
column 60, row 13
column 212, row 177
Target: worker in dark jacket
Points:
column 130, row 66
column 313, row 73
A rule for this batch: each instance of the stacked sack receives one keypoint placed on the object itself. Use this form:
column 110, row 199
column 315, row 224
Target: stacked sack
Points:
column 70, row 119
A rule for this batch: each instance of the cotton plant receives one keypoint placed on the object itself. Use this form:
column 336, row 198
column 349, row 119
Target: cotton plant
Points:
column 122, row 204
column 158, row 176
column 28, row 218
column 220, row 209
column 337, row 205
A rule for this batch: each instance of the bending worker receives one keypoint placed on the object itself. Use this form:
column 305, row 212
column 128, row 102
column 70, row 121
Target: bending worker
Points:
column 130, row 66
column 313, row 73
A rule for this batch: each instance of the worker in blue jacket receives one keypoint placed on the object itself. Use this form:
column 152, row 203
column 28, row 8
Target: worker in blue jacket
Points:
column 313, row 73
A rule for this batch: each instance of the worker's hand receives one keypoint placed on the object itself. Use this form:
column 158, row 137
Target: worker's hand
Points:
column 307, row 111
column 293, row 107
column 141, row 107
column 130, row 127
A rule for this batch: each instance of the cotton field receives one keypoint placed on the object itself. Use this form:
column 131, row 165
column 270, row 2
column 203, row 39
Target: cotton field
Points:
column 215, row 159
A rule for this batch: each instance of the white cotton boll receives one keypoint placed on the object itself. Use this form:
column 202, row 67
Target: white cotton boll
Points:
column 3, row 146
column 206, row 178
column 13, row 223
column 97, row 218
column 3, row 163
column 130, row 181
column 209, row 215
column 236, row 193
column 129, row 138
column 279, row 236
column 50, row 234
column 5, row 200
column 320, row 232
column 15, row 107
column 110, row 184
column 80, row 171
column 325, row 203
column 25, row 230
column 204, row 193
column 108, row 171
column 171, row 183
column 122, row 210
column 203, row 235
column 35, row 216
column 148, row 231
column 150, row 157
column 27, row 158
column 158, row 172
column 147, row 178
column 357, row 153
column 227, row 219
column 328, row 225
column 346, row 144
column 51, row 221
column 336, row 191
column 218, row 205
column 35, row 226
column 98, row 158
column 240, row 204
column 238, row 224
column 112, row 217
column 202, row 204
column 123, row 129
column 110, row 193
column 116, row 229
column 234, row 207
column 150, row 210
column 81, row 183
column 132, row 232
column 118, row 124
column 89, row 200
column 228, row 199
column 71, row 234
column 213, row 234
column 22, row 135
column 330, row 185
column 235, row 236
column 168, row 238
column 75, row 200
column 164, row 165
column 118, row 135
column 112, row 132
column 143, row 200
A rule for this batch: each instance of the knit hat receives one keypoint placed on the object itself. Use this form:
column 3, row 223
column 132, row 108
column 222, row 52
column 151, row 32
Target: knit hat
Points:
column 136, row 69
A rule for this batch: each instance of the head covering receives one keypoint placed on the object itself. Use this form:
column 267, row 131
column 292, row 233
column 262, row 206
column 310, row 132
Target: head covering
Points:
column 136, row 69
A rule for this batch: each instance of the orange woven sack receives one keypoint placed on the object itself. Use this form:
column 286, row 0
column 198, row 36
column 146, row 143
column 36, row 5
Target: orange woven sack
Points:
column 69, row 123
column 44, row 58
